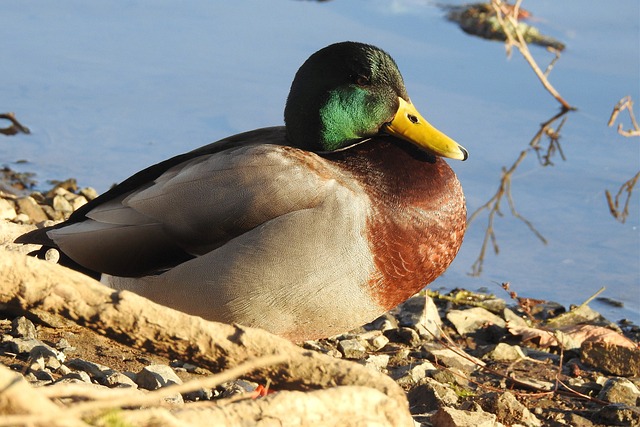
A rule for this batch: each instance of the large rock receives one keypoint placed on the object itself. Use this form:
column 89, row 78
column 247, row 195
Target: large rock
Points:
column 504, row 353
column 97, row 371
column 420, row 313
column 451, row 417
column 470, row 320
column 429, row 395
column 153, row 377
column 7, row 210
column 29, row 206
column 452, row 359
column 620, row 390
column 611, row 358
column 23, row 327
column 509, row 410
column 352, row 349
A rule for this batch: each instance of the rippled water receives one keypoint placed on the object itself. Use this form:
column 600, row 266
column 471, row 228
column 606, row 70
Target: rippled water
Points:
column 109, row 88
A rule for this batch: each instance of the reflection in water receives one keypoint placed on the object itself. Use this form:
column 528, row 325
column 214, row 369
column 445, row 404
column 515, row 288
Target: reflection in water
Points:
column 614, row 202
column 506, row 18
column 545, row 154
column 625, row 103
column 482, row 20
column 15, row 127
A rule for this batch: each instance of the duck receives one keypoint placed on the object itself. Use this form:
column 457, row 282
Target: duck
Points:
column 306, row 230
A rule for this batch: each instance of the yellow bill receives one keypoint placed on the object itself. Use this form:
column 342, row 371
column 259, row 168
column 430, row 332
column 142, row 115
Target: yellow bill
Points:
column 409, row 125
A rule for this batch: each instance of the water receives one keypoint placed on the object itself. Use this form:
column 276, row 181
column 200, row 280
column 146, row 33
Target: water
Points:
column 109, row 89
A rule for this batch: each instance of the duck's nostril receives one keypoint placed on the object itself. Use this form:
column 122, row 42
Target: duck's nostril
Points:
column 413, row 119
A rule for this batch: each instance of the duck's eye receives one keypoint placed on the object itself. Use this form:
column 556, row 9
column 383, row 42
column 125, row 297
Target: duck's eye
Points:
column 362, row 80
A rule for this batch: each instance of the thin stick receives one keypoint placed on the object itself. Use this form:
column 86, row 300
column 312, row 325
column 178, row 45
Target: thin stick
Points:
column 523, row 48
column 625, row 103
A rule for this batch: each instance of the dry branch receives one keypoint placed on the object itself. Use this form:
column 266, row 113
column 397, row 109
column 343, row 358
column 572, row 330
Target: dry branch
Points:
column 493, row 205
column 625, row 103
column 47, row 290
column 620, row 211
column 627, row 187
column 508, row 19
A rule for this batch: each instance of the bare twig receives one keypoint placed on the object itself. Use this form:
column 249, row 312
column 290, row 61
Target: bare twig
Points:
column 508, row 19
column 554, row 139
column 614, row 202
column 493, row 205
column 628, row 186
column 625, row 103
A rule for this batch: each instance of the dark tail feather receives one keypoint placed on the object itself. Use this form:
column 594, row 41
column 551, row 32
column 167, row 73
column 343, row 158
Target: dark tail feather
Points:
column 39, row 237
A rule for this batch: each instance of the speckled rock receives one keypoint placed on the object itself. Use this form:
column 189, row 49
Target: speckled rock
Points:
column 472, row 319
column 119, row 380
column 451, row 417
column 23, row 327
column 420, row 313
column 620, row 390
column 7, row 210
column 619, row 414
column 429, row 395
column 75, row 377
column 450, row 358
column 403, row 335
column 416, row 373
column 504, row 353
column 95, row 370
column 153, row 377
column 378, row 362
column 29, row 207
column 352, row 349
column 509, row 410
column 24, row 345
column 611, row 358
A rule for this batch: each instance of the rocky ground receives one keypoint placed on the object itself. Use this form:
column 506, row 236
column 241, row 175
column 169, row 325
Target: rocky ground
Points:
column 463, row 358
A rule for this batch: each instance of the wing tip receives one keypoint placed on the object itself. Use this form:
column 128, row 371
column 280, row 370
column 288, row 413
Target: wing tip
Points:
column 38, row 236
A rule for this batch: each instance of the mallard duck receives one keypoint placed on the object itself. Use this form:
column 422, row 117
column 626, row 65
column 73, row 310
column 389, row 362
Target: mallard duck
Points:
column 306, row 230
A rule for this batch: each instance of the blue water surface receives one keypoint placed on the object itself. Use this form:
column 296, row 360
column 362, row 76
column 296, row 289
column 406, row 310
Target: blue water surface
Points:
column 108, row 88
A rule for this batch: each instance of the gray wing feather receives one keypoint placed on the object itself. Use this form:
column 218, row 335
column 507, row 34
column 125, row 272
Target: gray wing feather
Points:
column 193, row 208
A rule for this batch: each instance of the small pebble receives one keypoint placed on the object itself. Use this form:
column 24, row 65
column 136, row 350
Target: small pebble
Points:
column 352, row 349
column 78, row 376
column 118, row 379
column 236, row 387
column 52, row 255
column 378, row 342
column 378, row 362
column 403, row 335
column 95, row 370
column 153, row 377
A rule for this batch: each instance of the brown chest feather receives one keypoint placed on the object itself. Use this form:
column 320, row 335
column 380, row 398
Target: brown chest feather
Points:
column 418, row 215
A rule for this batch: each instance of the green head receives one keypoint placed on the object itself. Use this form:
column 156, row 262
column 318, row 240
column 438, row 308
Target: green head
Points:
column 349, row 91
